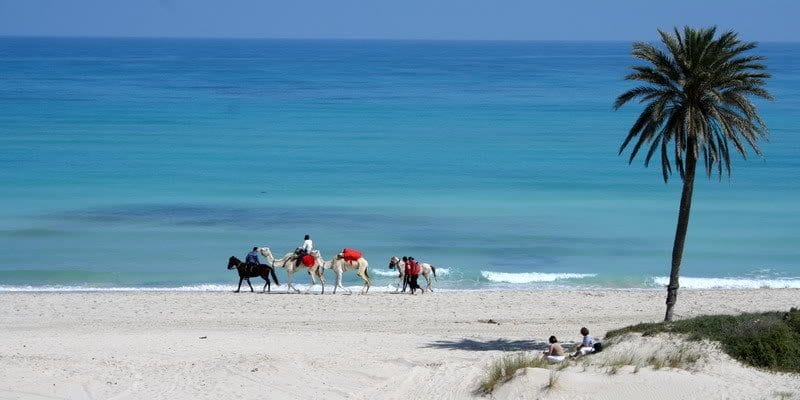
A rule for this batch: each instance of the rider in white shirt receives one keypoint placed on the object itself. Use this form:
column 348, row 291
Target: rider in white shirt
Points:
column 308, row 245
column 306, row 248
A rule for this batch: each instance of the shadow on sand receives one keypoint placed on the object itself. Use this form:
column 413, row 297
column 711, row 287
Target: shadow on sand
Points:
column 489, row 345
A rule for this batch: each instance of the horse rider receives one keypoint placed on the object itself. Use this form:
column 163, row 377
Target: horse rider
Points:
column 252, row 257
column 304, row 249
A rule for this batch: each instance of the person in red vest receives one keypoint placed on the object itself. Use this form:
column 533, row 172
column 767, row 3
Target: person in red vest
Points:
column 413, row 274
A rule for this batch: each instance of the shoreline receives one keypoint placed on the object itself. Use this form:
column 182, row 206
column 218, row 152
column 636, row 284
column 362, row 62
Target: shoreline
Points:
column 95, row 345
column 377, row 289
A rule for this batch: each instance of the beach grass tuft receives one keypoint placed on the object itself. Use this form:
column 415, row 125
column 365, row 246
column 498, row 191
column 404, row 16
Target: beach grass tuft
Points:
column 504, row 368
column 784, row 395
column 769, row 340
column 613, row 365
column 681, row 356
column 552, row 380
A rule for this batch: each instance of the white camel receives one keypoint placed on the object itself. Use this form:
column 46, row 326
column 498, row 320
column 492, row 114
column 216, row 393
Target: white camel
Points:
column 426, row 270
column 340, row 266
column 288, row 263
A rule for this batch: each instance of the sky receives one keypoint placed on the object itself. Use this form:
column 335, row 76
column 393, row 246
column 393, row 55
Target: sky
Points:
column 765, row 20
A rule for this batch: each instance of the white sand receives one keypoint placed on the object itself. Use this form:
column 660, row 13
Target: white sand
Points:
column 378, row 346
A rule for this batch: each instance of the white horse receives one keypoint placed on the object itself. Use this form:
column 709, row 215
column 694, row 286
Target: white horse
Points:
column 288, row 262
column 340, row 266
column 426, row 270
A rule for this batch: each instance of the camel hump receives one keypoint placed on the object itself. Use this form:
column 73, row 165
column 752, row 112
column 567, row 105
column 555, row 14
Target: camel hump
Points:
column 351, row 255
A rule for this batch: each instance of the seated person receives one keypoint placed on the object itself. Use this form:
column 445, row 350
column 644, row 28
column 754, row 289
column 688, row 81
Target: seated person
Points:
column 303, row 250
column 554, row 353
column 252, row 257
column 586, row 346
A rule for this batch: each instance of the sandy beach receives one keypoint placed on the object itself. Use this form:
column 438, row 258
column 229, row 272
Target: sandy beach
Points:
column 134, row 345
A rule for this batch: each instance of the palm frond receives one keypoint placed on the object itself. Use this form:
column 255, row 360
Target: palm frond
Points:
column 696, row 90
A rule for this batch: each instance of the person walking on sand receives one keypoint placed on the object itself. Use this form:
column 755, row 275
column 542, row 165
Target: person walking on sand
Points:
column 413, row 275
column 554, row 353
column 405, row 273
column 252, row 257
column 587, row 344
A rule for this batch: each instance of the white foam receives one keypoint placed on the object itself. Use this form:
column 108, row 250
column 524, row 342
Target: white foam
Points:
column 530, row 277
column 194, row 288
column 729, row 283
column 393, row 272
column 384, row 272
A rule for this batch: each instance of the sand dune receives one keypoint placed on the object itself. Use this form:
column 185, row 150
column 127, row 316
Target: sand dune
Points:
column 279, row 346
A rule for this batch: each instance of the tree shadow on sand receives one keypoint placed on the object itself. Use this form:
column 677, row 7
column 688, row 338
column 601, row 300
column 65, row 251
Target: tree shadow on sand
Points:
column 489, row 345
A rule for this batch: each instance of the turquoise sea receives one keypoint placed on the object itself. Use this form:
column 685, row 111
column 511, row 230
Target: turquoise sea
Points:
column 146, row 163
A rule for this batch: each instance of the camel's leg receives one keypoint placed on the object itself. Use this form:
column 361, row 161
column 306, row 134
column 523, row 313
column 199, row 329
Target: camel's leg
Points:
column 311, row 273
column 248, row 284
column 362, row 274
column 340, row 281
column 240, row 285
column 336, row 281
column 291, row 280
column 365, row 289
column 339, row 274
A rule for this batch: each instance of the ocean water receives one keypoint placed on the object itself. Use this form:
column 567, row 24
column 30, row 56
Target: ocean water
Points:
column 143, row 164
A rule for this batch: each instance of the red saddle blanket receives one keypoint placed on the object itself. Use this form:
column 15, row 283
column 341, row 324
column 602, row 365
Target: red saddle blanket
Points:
column 351, row 255
column 308, row 260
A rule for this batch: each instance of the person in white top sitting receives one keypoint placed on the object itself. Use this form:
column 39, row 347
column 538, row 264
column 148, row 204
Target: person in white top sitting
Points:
column 587, row 344
column 304, row 249
column 308, row 245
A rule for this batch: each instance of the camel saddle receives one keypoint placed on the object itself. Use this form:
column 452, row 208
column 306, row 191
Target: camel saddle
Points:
column 351, row 255
column 308, row 260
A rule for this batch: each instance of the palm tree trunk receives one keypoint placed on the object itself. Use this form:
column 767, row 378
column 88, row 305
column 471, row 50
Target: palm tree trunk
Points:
column 680, row 231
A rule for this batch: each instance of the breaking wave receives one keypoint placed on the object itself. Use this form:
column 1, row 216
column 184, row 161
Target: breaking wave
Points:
column 730, row 283
column 530, row 277
column 440, row 271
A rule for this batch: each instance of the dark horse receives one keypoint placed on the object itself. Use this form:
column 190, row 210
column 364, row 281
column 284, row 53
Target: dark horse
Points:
column 247, row 271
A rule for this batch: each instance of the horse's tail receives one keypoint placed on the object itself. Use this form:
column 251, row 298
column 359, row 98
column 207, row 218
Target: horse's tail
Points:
column 433, row 269
column 274, row 277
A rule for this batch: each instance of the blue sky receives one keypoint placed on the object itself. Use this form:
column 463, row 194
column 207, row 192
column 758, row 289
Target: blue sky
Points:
column 765, row 20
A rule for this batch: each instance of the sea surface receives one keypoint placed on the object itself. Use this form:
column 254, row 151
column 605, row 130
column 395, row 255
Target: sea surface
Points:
column 143, row 164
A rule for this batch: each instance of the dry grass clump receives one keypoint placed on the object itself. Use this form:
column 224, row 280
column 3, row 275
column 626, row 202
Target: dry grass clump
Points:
column 504, row 368
column 552, row 380
column 769, row 340
column 638, row 352
column 783, row 395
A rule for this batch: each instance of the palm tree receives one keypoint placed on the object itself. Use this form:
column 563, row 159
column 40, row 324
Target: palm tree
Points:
column 696, row 93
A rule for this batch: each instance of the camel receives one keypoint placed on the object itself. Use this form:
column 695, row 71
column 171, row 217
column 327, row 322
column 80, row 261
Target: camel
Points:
column 427, row 271
column 247, row 271
column 340, row 266
column 288, row 263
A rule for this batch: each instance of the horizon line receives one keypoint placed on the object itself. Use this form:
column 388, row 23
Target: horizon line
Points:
column 3, row 36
